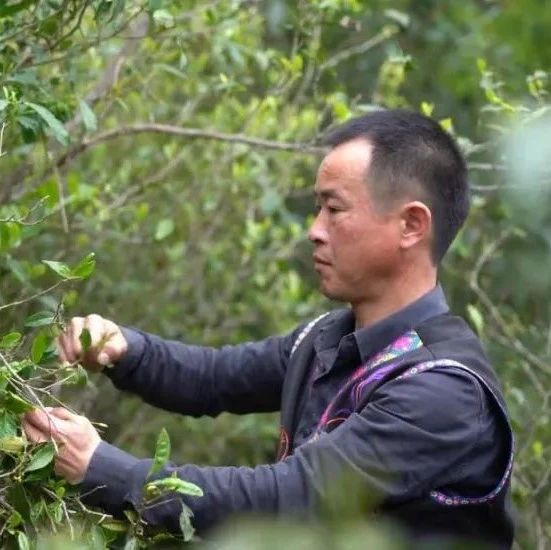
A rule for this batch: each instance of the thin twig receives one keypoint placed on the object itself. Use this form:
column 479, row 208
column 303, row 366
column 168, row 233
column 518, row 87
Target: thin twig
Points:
column 359, row 49
column 33, row 297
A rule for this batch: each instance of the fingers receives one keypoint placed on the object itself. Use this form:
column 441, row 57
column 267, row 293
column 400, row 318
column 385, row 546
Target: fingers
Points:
column 68, row 343
column 107, row 343
column 49, row 426
column 33, row 434
column 114, row 345
column 61, row 413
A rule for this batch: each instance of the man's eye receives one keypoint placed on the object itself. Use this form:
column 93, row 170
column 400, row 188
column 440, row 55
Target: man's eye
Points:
column 332, row 209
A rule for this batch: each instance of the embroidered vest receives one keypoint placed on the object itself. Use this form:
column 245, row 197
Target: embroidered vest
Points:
column 443, row 342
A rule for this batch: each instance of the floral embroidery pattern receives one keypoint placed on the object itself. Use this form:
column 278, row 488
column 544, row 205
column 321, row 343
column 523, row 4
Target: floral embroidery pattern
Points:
column 348, row 397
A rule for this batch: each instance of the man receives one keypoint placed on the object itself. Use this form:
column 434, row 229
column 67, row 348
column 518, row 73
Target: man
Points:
column 393, row 389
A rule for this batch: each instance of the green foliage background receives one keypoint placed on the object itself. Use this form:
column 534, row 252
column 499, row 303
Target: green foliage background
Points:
column 178, row 141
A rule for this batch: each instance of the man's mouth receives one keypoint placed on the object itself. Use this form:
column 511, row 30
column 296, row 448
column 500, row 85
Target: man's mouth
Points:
column 318, row 260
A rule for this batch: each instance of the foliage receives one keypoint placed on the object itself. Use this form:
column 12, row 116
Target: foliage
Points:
column 177, row 142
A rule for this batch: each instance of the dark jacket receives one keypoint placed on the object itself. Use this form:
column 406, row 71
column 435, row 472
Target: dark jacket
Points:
column 420, row 420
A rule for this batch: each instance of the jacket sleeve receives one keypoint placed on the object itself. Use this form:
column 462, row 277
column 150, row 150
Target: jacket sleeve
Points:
column 416, row 434
column 197, row 380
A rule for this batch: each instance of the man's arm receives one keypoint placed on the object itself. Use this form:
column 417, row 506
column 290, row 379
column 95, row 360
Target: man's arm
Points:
column 416, row 435
column 189, row 379
column 197, row 380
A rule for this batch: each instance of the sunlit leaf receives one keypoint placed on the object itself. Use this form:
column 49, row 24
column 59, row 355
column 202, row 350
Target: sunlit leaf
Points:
column 12, row 444
column 63, row 270
column 10, row 340
column 23, row 541
column 162, row 453
column 85, row 267
column 164, row 229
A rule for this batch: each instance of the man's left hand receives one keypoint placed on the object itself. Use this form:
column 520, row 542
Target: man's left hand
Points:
column 77, row 439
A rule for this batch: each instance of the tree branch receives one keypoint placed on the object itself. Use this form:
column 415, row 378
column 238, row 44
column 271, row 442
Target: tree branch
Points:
column 152, row 127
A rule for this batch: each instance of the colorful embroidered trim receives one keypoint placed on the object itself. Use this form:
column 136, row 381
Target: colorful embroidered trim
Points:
column 346, row 400
column 450, row 500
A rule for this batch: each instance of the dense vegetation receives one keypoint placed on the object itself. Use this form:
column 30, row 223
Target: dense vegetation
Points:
column 156, row 161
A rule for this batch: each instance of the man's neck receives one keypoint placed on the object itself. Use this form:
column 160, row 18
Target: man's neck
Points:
column 394, row 298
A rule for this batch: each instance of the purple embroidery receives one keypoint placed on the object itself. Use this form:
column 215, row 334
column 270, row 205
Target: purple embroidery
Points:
column 349, row 395
column 347, row 399
column 449, row 500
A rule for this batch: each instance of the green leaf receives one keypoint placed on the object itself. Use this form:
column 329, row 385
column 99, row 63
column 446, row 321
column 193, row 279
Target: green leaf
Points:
column 16, row 404
column 8, row 424
column 14, row 8
column 12, row 444
column 40, row 319
column 163, row 18
column 39, row 345
column 476, row 318
column 85, row 267
column 10, row 340
column 57, row 128
column 63, row 270
column 162, row 453
column 81, row 377
column 88, row 116
column 174, row 484
column 185, row 522
column 85, row 339
column 447, row 124
column 427, row 108
column 23, row 541
column 115, row 525
column 41, row 458
column 164, row 229
column 153, row 5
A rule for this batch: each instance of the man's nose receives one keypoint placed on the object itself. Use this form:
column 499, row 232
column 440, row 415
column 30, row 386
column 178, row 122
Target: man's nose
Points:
column 317, row 232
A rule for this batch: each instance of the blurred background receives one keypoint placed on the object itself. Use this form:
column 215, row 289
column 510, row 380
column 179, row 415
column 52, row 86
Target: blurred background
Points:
column 177, row 140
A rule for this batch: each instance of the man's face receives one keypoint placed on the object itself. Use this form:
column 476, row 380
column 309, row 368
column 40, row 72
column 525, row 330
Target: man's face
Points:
column 356, row 244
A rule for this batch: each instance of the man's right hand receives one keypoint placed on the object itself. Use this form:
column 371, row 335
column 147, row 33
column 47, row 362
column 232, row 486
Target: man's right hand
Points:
column 107, row 343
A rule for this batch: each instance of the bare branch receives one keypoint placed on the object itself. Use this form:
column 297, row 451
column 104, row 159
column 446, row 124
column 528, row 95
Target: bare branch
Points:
column 152, row 127
column 33, row 297
column 359, row 49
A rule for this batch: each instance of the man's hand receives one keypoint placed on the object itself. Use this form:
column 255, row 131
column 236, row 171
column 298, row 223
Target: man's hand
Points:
column 107, row 343
column 77, row 439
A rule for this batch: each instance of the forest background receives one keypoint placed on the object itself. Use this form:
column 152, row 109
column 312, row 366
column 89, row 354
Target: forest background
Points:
column 177, row 142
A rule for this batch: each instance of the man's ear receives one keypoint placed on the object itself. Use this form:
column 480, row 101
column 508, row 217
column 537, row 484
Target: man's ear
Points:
column 415, row 224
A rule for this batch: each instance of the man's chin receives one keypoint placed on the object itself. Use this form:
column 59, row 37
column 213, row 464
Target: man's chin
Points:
column 331, row 293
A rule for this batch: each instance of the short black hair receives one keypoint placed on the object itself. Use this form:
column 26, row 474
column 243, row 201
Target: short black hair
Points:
column 413, row 155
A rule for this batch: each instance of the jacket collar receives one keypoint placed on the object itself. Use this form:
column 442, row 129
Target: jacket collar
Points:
column 339, row 334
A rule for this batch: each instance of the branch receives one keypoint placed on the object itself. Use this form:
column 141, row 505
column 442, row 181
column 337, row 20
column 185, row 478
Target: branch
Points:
column 33, row 297
column 153, row 127
column 359, row 49
column 496, row 315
